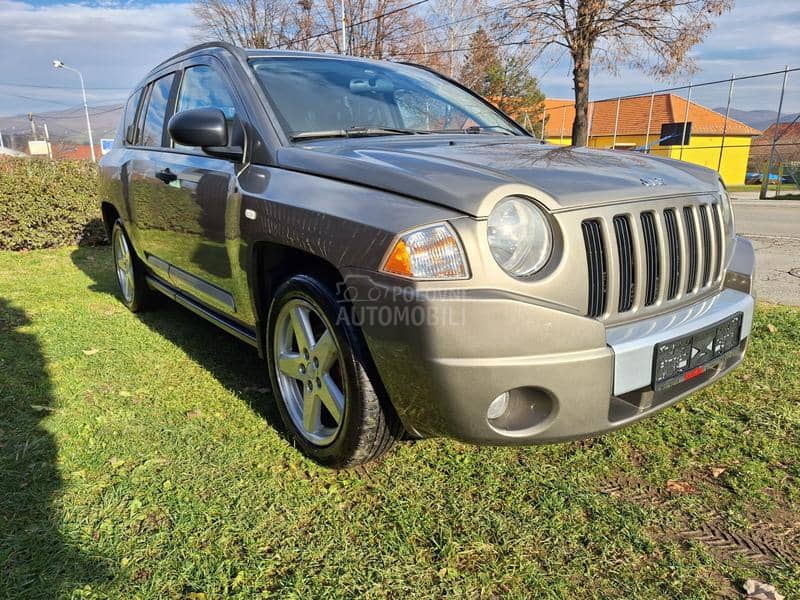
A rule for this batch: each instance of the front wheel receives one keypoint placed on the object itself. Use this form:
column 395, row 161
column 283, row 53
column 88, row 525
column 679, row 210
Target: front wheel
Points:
column 130, row 271
column 319, row 368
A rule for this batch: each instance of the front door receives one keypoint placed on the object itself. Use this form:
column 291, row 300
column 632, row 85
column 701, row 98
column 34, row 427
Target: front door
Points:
column 185, row 199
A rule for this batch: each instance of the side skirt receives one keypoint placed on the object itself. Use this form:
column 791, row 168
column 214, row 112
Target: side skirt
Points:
column 245, row 334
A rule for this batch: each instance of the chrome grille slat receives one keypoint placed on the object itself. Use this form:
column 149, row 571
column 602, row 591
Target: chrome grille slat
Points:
column 651, row 253
column 595, row 257
column 661, row 246
column 707, row 245
column 691, row 238
column 673, row 245
column 627, row 269
column 720, row 236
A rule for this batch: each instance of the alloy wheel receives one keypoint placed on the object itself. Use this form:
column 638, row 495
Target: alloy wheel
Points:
column 124, row 265
column 309, row 373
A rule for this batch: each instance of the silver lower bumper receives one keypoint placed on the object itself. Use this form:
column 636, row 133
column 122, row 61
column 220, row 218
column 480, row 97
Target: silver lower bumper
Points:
column 633, row 343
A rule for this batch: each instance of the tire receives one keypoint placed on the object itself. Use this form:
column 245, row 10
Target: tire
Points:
column 305, row 329
column 133, row 289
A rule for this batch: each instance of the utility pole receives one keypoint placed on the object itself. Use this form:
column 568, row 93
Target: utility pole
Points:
column 2, row 144
column 344, row 31
column 33, row 127
column 47, row 141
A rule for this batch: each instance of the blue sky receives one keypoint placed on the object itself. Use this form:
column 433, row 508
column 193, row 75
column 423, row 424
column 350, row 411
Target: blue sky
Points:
column 114, row 43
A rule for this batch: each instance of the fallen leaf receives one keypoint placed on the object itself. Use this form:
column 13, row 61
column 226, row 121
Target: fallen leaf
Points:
column 141, row 575
column 717, row 471
column 40, row 408
column 772, row 328
column 680, row 487
column 125, row 393
column 91, row 351
column 442, row 571
column 116, row 462
column 193, row 414
column 757, row 590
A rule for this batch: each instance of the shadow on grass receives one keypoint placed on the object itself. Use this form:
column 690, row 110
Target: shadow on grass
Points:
column 35, row 561
column 232, row 362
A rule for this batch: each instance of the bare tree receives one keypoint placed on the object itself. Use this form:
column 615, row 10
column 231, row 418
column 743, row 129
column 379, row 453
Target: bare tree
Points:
column 451, row 24
column 372, row 26
column 654, row 35
column 249, row 23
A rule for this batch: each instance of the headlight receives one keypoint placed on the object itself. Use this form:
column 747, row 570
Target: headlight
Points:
column 430, row 252
column 519, row 236
column 727, row 210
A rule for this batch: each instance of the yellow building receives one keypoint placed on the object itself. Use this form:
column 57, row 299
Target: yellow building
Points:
column 656, row 123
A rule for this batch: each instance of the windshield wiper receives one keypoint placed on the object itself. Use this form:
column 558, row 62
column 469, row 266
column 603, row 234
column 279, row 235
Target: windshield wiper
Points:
column 354, row 132
column 473, row 129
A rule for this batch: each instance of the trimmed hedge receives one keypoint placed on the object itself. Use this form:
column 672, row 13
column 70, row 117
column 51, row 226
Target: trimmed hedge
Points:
column 45, row 204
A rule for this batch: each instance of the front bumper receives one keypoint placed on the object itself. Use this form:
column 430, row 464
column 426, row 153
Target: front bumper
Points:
column 569, row 376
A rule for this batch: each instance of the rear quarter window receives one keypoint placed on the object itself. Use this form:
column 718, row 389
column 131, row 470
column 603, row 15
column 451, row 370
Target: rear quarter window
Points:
column 129, row 127
column 153, row 129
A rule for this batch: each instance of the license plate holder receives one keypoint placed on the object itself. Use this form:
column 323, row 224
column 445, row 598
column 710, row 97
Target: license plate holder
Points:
column 688, row 356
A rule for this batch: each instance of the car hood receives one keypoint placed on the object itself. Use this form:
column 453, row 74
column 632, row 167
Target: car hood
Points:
column 468, row 175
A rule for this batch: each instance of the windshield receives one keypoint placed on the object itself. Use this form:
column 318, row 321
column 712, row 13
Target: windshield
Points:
column 337, row 97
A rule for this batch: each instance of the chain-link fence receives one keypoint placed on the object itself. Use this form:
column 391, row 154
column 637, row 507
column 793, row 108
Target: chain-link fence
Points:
column 747, row 128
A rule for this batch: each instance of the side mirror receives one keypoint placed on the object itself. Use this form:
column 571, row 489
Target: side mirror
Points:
column 204, row 127
column 207, row 128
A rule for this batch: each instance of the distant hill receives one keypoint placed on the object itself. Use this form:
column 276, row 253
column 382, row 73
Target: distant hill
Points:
column 760, row 119
column 66, row 125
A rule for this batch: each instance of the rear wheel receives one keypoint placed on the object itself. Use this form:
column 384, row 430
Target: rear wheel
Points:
column 319, row 371
column 130, row 271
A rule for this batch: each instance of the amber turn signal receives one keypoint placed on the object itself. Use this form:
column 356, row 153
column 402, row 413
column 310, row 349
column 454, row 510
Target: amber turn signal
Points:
column 430, row 252
column 399, row 260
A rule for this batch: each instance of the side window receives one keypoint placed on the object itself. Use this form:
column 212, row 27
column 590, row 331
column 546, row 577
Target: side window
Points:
column 153, row 128
column 204, row 87
column 128, row 128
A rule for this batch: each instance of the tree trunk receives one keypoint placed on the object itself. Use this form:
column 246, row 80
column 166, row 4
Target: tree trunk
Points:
column 580, row 78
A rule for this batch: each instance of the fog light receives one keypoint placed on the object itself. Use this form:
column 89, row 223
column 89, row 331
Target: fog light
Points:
column 521, row 411
column 498, row 407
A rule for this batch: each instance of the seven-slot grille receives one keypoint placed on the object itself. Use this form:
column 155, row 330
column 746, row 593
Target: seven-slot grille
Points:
column 680, row 252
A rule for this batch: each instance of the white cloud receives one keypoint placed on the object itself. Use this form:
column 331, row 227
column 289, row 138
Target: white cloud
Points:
column 113, row 45
column 755, row 37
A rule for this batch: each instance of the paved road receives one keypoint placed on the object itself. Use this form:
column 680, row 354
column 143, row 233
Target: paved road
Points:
column 774, row 229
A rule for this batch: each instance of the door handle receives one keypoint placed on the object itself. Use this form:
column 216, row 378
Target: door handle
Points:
column 166, row 176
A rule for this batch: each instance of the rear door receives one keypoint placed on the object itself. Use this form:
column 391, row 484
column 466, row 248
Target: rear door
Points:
column 148, row 192
column 191, row 201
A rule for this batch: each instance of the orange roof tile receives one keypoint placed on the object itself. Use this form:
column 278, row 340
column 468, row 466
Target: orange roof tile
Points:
column 787, row 149
column 634, row 113
column 75, row 151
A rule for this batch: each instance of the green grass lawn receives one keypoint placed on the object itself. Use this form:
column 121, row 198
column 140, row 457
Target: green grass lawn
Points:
column 141, row 456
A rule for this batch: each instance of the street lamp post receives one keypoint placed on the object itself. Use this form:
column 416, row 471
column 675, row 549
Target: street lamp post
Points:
column 60, row 65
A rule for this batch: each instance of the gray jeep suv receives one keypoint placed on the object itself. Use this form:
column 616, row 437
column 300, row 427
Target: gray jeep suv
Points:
column 410, row 261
